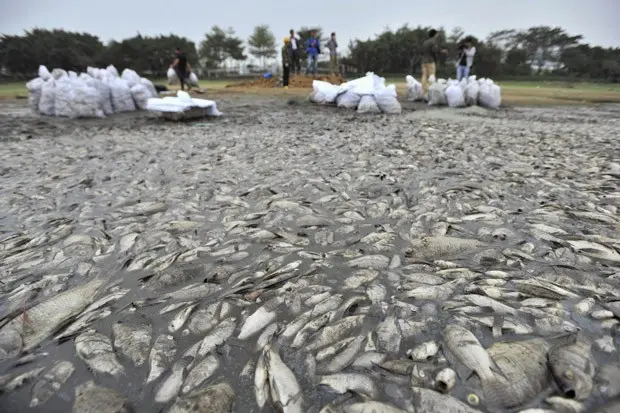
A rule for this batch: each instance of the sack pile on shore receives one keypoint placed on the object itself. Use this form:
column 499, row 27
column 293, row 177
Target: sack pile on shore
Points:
column 368, row 94
column 452, row 93
column 96, row 93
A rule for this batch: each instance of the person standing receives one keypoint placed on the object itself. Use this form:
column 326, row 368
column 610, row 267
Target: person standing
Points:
column 182, row 67
column 313, row 49
column 465, row 61
column 294, row 49
column 332, row 45
column 430, row 57
column 286, row 61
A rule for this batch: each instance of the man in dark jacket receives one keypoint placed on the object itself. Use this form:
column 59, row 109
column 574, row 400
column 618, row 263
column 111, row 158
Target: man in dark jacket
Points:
column 286, row 61
column 181, row 67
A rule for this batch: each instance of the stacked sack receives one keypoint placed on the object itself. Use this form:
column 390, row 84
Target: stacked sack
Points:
column 455, row 94
column 368, row 94
column 96, row 93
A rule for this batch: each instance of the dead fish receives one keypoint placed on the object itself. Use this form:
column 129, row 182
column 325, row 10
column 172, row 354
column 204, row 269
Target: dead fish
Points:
column 48, row 384
column 90, row 398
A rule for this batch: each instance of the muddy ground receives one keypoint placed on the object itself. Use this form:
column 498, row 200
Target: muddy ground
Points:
column 79, row 170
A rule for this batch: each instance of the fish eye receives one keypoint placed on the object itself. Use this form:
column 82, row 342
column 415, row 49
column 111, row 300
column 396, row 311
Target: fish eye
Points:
column 473, row 399
column 569, row 374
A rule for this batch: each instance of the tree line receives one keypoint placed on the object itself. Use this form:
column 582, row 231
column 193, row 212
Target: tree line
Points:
column 541, row 50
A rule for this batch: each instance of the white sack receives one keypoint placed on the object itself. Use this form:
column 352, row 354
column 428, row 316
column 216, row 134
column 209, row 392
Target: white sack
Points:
column 414, row 89
column 324, row 92
column 471, row 92
column 44, row 74
column 193, row 79
column 131, row 77
column 122, row 101
column 455, row 96
column 105, row 97
column 173, row 79
column 48, row 98
column 141, row 94
column 64, row 98
column 112, row 70
column 490, row 94
column 368, row 105
column 436, row 94
column 86, row 101
column 35, row 89
column 348, row 99
column 59, row 73
column 387, row 100
column 149, row 85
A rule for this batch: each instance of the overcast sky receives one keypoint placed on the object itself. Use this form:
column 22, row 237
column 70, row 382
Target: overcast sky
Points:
column 597, row 20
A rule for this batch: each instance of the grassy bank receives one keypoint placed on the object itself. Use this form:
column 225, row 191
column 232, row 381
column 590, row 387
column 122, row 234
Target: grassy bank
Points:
column 513, row 92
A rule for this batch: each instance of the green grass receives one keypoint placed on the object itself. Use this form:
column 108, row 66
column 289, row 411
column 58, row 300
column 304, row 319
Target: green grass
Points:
column 513, row 92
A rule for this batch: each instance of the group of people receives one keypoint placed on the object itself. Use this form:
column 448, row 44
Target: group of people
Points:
column 291, row 59
column 431, row 53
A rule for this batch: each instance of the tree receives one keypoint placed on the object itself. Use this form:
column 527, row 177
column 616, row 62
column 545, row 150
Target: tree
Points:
column 262, row 43
column 220, row 45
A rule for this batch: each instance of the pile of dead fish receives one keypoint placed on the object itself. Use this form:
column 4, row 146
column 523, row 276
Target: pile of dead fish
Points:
column 478, row 280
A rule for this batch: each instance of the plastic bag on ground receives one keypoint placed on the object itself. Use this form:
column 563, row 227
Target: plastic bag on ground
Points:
column 387, row 100
column 35, row 89
column 436, row 94
column 348, row 99
column 43, row 73
column 368, row 105
column 86, row 101
column 324, row 92
column 414, row 89
column 112, row 70
column 64, row 98
column 122, row 100
column 173, row 79
column 47, row 102
column 193, row 79
column 149, row 85
column 455, row 96
column 180, row 103
column 471, row 93
column 131, row 77
column 141, row 94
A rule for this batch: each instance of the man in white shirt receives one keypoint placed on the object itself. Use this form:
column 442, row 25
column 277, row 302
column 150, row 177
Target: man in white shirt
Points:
column 467, row 51
column 295, row 59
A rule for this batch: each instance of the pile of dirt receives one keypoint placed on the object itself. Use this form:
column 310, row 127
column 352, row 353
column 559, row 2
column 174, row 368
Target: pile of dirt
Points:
column 297, row 81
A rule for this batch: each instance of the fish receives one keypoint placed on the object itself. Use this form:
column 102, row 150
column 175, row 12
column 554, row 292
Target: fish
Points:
column 132, row 337
column 573, row 368
column 48, row 384
column 97, row 352
column 218, row 398
column 90, row 397
column 284, row 387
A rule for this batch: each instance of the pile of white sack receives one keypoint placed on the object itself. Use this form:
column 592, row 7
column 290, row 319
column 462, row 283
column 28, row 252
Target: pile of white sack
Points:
column 97, row 93
column 368, row 94
column 467, row 92
column 173, row 78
